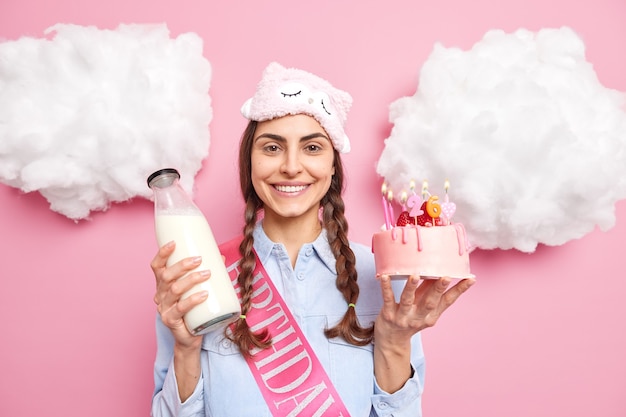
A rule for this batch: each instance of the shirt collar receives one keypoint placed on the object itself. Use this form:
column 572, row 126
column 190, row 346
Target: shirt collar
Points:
column 263, row 247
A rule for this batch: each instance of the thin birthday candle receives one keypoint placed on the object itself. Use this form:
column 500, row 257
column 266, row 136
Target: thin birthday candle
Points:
column 390, row 201
column 386, row 206
column 447, row 208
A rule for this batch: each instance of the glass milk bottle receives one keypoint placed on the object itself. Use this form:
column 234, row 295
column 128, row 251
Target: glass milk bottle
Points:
column 177, row 218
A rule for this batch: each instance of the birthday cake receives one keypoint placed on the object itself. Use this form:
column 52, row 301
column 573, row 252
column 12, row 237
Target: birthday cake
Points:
column 422, row 241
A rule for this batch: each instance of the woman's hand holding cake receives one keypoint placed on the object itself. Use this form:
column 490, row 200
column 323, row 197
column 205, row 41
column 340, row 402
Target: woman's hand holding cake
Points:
column 421, row 304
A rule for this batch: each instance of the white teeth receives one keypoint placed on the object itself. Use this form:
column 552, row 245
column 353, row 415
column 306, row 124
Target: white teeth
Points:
column 290, row 188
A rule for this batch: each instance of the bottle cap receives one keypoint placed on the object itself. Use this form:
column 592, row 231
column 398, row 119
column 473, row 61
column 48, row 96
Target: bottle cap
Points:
column 164, row 171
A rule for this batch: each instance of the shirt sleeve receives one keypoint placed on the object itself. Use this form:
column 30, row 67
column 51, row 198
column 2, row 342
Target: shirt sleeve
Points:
column 165, row 399
column 407, row 401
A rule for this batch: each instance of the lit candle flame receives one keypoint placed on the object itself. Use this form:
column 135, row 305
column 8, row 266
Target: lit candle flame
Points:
column 446, row 185
column 403, row 197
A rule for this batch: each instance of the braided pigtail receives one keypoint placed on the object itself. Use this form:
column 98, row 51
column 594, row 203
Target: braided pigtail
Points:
column 240, row 333
column 337, row 231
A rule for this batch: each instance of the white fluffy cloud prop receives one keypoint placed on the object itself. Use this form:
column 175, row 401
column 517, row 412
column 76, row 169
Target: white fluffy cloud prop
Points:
column 87, row 114
column 532, row 143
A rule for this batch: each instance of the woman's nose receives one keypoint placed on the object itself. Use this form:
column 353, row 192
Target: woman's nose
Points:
column 291, row 163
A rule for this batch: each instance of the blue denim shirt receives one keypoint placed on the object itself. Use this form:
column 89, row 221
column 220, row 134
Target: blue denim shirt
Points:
column 227, row 388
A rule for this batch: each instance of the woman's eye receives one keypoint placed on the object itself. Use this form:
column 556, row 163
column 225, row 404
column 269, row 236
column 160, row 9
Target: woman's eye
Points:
column 313, row 147
column 271, row 148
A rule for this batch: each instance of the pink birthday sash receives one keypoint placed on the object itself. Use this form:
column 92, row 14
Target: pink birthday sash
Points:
column 289, row 374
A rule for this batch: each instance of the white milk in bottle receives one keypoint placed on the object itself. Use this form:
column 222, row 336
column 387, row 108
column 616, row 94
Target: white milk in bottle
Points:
column 177, row 218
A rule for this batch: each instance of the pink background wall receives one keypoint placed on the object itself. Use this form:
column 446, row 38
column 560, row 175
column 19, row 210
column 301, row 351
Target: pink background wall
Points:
column 540, row 334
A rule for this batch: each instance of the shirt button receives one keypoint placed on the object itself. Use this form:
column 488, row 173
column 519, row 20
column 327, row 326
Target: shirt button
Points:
column 301, row 276
column 226, row 343
column 309, row 252
column 382, row 405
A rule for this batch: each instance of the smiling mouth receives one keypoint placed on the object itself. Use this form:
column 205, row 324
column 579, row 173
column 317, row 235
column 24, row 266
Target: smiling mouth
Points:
column 290, row 188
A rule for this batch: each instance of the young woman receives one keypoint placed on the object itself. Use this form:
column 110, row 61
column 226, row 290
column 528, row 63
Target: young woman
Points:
column 362, row 333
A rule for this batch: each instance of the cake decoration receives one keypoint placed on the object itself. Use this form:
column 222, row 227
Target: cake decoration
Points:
column 423, row 240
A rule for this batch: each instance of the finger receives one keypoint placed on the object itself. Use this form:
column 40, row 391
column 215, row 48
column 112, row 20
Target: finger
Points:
column 408, row 296
column 180, row 287
column 179, row 269
column 456, row 291
column 173, row 316
column 169, row 276
column 186, row 304
column 160, row 259
column 442, row 284
column 430, row 294
column 389, row 299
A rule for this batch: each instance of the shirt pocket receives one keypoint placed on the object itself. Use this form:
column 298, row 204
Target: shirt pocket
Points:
column 217, row 343
column 226, row 377
column 352, row 367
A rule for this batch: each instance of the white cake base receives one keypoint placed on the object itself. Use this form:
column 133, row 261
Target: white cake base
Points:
column 428, row 252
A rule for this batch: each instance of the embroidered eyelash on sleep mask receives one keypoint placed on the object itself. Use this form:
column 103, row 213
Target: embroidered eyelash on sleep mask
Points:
column 288, row 91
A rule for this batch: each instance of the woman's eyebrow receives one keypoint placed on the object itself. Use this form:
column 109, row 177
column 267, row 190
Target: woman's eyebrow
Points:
column 313, row 136
column 270, row 136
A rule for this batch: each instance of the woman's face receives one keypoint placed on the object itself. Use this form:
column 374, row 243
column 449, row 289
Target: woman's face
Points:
column 292, row 165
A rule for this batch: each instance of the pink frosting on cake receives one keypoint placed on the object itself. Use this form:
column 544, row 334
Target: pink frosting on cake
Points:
column 435, row 251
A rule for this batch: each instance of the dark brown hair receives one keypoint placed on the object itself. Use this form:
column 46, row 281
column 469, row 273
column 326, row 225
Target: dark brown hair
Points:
column 336, row 226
